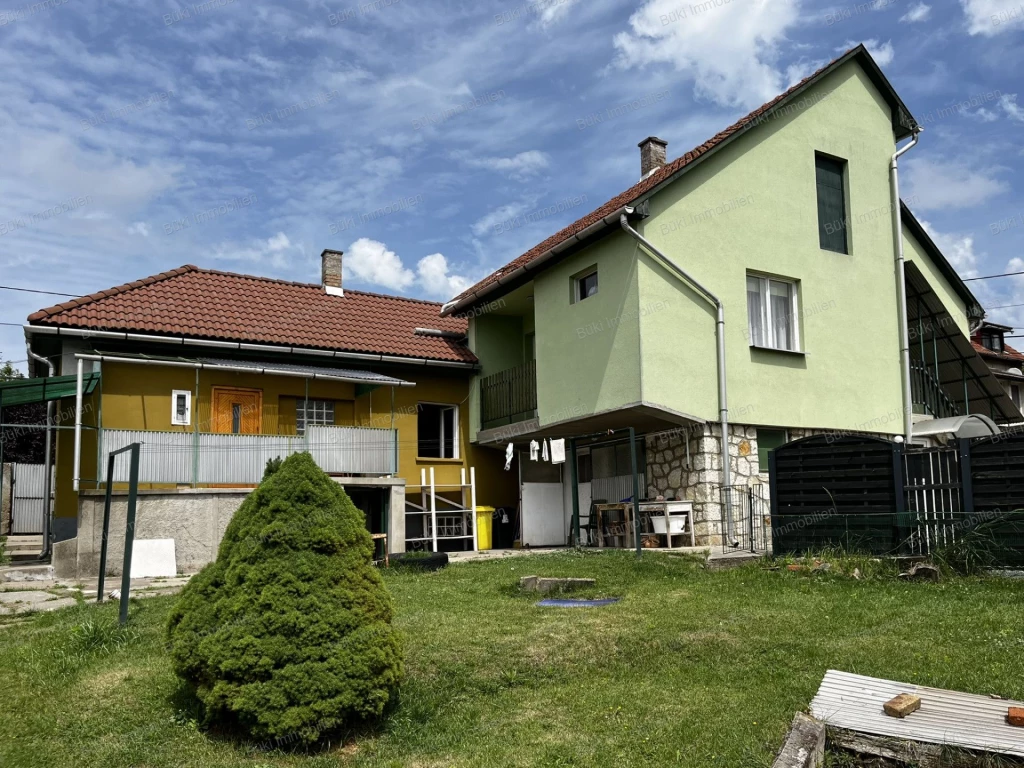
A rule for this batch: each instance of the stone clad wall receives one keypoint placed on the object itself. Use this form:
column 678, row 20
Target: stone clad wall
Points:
column 700, row 480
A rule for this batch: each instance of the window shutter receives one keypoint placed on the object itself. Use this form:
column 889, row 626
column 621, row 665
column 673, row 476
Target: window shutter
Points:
column 831, row 204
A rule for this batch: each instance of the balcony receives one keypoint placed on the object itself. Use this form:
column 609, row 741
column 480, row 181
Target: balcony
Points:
column 509, row 396
column 927, row 394
column 203, row 458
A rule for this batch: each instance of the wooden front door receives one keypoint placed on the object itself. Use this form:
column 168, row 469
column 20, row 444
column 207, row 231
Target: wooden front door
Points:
column 237, row 411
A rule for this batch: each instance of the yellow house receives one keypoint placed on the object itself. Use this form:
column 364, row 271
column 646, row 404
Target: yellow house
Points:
column 216, row 373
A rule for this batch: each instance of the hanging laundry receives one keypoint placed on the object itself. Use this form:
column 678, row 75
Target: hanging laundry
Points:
column 558, row 451
column 509, row 451
column 534, row 450
column 544, row 450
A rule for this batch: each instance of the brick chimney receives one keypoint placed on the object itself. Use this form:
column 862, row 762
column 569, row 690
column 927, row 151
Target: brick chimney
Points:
column 652, row 155
column 330, row 272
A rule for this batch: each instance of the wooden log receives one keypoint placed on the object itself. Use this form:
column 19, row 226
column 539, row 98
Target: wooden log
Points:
column 805, row 745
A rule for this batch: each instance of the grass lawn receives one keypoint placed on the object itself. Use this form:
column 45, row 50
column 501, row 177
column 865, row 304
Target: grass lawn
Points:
column 691, row 668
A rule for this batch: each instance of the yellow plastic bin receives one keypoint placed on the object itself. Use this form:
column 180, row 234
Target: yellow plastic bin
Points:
column 484, row 520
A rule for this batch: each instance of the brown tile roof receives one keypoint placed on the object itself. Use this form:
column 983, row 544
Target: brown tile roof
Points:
column 209, row 304
column 642, row 187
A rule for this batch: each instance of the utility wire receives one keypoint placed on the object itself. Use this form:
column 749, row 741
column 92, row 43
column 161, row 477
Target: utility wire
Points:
column 989, row 277
column 36, row 290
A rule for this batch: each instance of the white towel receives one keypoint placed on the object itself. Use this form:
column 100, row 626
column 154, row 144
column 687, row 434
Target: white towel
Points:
column 544, row 450
column 534, row 450
column 509, row 451
column 558, row 451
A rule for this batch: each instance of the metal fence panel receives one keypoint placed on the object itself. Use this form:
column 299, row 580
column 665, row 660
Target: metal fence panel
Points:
column 183, row 458
column 28, row 509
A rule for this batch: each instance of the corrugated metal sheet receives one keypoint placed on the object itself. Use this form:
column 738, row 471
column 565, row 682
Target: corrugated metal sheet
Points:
column 28, row 511
column 175, row 457
column 963, row 720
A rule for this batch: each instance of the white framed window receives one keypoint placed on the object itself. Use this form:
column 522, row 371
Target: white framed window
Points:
column 316, row 413
column 772, row 313
column 181, row 407
column 584, row 285
column 437, row 431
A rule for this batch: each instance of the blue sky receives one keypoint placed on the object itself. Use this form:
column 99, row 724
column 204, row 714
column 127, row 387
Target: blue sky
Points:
column 140, row 137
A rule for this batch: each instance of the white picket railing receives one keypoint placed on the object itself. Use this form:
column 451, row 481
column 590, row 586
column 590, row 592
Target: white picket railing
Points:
column 187, row 458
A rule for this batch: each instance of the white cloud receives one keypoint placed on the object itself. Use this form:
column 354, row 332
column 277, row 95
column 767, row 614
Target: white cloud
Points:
column 436, row 280
column 371, row 261
column 729, row 51
column 882, row 53
column 491, row 221
column 275, row 251
column 990, row 17
column 958, row 249
column 1008, row 101
column 521, row 167
column 918, row 12
column 139, row 228
column 939, row 186
column 985, row 115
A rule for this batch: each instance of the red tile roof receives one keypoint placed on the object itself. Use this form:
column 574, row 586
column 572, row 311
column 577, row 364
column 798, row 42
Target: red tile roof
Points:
column 1008, row 355
column 209, row 304
column 642, row 187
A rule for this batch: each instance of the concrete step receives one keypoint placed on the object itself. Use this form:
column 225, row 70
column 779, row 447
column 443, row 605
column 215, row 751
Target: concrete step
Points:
column 20, row 547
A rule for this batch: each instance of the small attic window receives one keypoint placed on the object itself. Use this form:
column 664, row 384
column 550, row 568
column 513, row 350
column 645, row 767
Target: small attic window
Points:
column 584, row 285
column 992, row 340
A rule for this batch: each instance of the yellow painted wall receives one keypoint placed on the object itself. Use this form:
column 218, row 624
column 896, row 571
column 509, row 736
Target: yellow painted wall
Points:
column 139, row 397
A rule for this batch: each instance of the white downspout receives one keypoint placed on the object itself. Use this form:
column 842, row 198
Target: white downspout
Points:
column 48, row 463
column 78, row 426
column 901, row 288
column 723, row 406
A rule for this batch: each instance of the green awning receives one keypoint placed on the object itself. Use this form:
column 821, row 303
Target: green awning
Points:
column 22, row 391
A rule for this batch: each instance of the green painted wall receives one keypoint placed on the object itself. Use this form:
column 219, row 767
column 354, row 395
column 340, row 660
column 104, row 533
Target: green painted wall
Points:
column 914, row 251
column 588, row 352
column 753, row 207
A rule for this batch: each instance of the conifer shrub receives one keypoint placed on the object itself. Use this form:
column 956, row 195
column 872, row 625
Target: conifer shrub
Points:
column 287, row 635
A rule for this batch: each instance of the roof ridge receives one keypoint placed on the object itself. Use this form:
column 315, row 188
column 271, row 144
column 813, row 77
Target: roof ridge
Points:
column 42, row 314
column 317, row 286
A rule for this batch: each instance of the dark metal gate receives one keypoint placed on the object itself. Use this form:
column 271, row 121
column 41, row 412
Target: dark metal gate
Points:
column 745, row 517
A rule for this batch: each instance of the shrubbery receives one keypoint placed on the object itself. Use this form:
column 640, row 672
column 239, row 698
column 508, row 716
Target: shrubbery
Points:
column 288, row 633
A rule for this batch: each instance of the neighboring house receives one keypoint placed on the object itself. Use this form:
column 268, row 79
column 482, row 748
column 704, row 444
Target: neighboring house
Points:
column 215, row 373
column 1005, row 362
column 786, row 218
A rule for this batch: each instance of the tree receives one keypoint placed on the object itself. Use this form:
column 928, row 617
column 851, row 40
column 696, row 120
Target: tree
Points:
column 287, row 634
column 22, row 445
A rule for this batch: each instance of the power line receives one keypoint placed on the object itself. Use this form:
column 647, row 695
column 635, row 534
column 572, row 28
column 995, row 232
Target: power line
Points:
column 36, row 290
column 989, row 277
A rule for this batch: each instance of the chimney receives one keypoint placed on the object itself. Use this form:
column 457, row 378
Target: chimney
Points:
column 652, row 155
column 330, row 272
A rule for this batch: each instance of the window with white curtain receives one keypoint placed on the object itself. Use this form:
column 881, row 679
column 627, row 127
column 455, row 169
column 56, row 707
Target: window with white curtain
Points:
column 772, row 313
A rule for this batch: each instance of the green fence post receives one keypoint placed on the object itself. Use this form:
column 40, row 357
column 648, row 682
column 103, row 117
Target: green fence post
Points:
column 129, row 532
column 106, row 529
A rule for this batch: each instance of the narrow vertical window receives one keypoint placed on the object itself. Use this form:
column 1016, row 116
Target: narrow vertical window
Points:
column 832, row 221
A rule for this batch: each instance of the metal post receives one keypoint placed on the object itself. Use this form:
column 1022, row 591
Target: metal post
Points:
column 433, row 509
column 106, row 529
column 195, row 432
column 472, row 503
column 305, row 416
column 574, row 480
column 129, row 532
column 78, row 425
column 750, row 510
column 967, row 400
column 636, row 490
column 966, row 479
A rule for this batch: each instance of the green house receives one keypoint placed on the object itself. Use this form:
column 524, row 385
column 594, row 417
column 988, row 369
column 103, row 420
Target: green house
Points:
column 786, row 222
